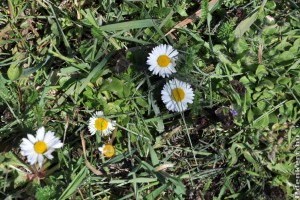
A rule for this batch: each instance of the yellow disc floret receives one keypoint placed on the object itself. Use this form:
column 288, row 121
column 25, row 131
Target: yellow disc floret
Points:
column 178, row 94
column 40, row 147
column 108, row 150
column 101, row 124
column 163, row 60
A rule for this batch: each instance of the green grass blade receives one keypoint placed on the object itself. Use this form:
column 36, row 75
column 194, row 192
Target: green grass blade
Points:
column 74, row 185
column 128, row 25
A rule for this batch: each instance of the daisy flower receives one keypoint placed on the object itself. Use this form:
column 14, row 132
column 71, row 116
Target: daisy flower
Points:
column 35, row 148
column 107, row 150
column 162, row 60
column 176, row 95
column 99, row 123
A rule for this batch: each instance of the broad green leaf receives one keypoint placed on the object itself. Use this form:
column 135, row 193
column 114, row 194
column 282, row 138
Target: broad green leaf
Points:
column 283, row 45
column 114, row 85
column 142, row 102
column 296, row 89
column 249, row 157
column 284, row 57
column 261, row 122
column 269, row 31
column 153, row 155
column 261, row 105
column 250, row 115
column 241, row 46
column 181, row 10
column 267, row 84
column 261, row 71
column 245, row 25
column 14, row 72
column 233, row 156
column 290, row 107
column 283, row 80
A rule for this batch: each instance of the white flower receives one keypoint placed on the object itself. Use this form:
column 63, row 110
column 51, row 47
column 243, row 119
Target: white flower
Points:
column 107, row 150
column 98, row 123
column 162, row 60
column 35, row 148
column 176, row 95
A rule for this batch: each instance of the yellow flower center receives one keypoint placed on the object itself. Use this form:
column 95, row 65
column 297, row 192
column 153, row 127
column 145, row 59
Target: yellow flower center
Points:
column 108, row 150
column 178, row 94
column 40, row 147
column 163, row 60
column 101, row 124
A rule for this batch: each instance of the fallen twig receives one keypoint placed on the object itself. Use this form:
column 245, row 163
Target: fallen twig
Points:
column 87, row 163
column 192, row 18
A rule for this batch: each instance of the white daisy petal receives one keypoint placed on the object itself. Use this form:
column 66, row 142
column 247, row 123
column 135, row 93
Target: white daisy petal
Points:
column 26, row 152
column 48, row 154
column 26, row 147
column 162, row 60
column 53, row 141
column 176, row 95
column 32, row 158
column 49, row 136
column 40, row 133
column 35, row 148
column 31, row 138
column 57, row 145
column 40, row 159
column 98, row 114
column 26, row 142
column 174, row 54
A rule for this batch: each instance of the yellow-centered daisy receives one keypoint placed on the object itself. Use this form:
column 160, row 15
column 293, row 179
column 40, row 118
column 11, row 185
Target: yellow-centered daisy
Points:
column 162, row 60
column 107, row 150
column 35, row 148
column 98, row 123
column 176, row 95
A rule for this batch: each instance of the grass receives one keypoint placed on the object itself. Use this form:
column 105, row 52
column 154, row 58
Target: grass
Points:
column 62, row 61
